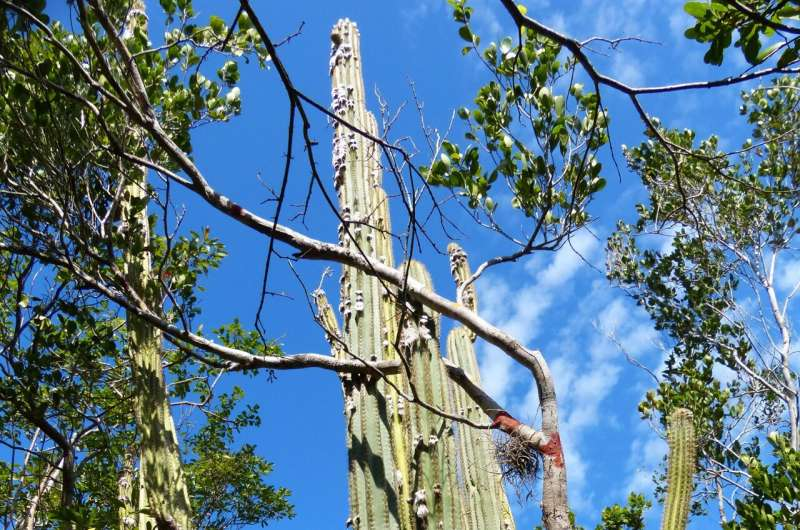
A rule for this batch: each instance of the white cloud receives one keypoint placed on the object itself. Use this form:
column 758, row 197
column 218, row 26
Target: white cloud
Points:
column 588, row 371
column 580, row 499
column 496, row 373
column 518, row 308
column 561, row 305
column 788, row 275
column 679, row 22
column 568, row 259
column 486, row 19
column 557, row 21
column 628, row 69
column 419, row 10
column 647, row 452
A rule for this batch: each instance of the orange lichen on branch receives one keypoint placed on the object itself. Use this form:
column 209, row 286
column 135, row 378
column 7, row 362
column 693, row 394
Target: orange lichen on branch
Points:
column 553, row 449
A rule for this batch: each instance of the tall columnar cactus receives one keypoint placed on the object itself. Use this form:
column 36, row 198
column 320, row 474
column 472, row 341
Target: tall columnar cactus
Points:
column 404, row 467
column 374, row 497
column 681, row 470
column 486, row 504
column 163, row 492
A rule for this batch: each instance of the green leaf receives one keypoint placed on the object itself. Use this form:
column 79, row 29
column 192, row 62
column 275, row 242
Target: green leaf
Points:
column 696, row 9
column 767, row 51
column 505, row 45
column 751, row 46
column 168, row 6
column 597, row 184
column 217, row 25
column 788, row 57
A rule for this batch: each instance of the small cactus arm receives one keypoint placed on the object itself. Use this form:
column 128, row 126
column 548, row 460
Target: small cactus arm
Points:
column 437, row 497
column 486, row 502
column 459, row 268
column 682, row 447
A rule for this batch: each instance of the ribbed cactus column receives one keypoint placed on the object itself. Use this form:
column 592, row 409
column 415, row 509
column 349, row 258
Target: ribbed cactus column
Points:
column 126, row 510
column 163, row 493
column 374, row 502
column 681, row 470
column 486, row 502
column 404, row 470
column 436, row 493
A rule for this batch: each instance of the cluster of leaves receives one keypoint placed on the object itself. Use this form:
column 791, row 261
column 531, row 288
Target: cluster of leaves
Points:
column 518, row 108
column 227, row 485
column 63, row 369
column 60, row 379
column 774, row 500
column 726, row 220
column 181, row 263
column 630, row 516
column 687, row 292
column 717, row 20
column 234, row 335
column 616, row 517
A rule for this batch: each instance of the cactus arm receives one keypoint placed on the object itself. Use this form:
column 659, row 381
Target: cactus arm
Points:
column 680, row 471
column 434, row 455
column 327, row 319
column 459, row 268
column 485, row 494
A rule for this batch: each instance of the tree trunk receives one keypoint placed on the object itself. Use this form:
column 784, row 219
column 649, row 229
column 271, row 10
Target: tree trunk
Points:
column 555, row 508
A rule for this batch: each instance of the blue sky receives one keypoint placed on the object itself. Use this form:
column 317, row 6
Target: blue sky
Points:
column 559, row 303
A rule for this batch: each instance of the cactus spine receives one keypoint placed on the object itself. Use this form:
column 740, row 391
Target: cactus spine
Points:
column 404, row 467
column 485, row 502
column 681, row 470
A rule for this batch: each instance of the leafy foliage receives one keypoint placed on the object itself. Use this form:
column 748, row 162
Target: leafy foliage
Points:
column 66, row 377
column 630, row 516
column 227, row 484
column 551, row 185
column 728, row 222
column 717, row 20
column 775, row 496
